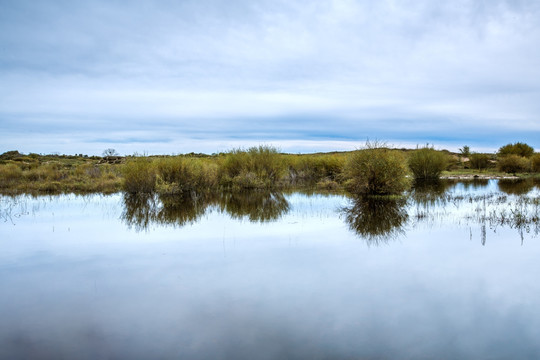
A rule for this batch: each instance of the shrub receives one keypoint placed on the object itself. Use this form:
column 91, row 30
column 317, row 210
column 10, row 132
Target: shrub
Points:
column 520, row 149
column 9, row 174
column 255, row 167
column 427, row 163
column 376, row 171
column 513, row 164
column 181, row 175
column 535, row 163
column 479, row 161
column 139, row 175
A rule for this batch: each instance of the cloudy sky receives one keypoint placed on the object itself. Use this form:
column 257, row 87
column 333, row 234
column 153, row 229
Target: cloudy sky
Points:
column 164, row 76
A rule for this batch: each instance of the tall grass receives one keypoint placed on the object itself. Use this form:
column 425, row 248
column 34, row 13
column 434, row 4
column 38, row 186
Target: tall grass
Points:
column 427, row 163
column 376, row 170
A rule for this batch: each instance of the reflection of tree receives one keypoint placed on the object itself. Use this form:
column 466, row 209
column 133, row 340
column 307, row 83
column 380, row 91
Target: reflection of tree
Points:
column 376, row 219
column 259, row 206
column 516, row 187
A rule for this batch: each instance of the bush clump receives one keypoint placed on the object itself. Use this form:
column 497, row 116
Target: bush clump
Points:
column 535, row 163
column 427, row 163
column 139, row 175
column 513, row 164
column 518, row 148
column 479, row 161
column 376, row 170
column 257, row 167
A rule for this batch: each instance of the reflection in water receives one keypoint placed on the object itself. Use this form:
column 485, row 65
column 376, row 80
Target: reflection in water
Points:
column 428, row 193
column 516, row 187
column 140, row 211
column 377, row 219
column 258, row 206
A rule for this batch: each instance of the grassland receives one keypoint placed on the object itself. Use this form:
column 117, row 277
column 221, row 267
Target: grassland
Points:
column 262, row 167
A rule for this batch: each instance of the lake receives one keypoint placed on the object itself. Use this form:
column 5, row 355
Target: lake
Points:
column 450, row 272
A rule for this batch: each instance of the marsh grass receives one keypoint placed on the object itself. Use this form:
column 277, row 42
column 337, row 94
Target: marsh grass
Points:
column 40, row 174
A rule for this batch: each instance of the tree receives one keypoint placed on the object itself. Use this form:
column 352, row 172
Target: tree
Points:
column 519, row 149
column 465, row 151
column 110, row 152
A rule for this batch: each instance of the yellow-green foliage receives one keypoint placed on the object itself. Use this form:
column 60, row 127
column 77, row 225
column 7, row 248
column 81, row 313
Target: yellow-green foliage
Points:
column 316, row 167
column 10, row 174
column 535, row 163
column 513, row 164
column 518, row 148
column 139, row 175
column 479, row 161
column 376, row 171
column 256, row 167
column 427, row 163
column 182, row 175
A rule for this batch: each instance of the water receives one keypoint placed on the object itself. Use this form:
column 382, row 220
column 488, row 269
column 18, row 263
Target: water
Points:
column 449, row 273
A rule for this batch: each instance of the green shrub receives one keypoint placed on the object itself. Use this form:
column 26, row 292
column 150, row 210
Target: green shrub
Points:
column 479, row 161
column 427, row 163
column 317, row 167
column 520, row 149
column 513, row 164
column 535, row 163
column 9, row 174
column 376, row 171
column 182, row 175
column 139, row 175
column 255, row 167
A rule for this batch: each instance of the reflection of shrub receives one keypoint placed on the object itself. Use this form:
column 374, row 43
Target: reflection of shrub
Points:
column 427, row 163
column 376, row 171
column 535, row 163
column 516, row 187
column 479, row 161
column 376, row 219
column 518, row 148
column 513, row 164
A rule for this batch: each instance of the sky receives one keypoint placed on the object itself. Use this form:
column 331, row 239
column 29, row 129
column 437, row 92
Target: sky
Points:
column 169, row 77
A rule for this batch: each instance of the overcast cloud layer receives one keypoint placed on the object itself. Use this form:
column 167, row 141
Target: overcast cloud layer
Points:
column 205, row 75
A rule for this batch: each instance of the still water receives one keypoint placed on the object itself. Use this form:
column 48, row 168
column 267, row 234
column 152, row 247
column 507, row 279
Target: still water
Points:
column 451, row 272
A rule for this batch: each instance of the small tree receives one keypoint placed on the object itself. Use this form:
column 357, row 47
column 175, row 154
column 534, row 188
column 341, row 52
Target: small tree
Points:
column 519, row 149
column 465, row 151
column 110, row 152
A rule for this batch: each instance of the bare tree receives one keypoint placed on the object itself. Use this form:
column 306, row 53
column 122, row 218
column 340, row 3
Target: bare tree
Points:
column 110, row 152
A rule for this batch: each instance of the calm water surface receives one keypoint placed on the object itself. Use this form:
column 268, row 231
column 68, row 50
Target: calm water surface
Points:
column 449, row 273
